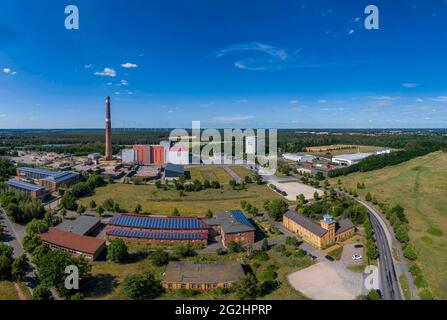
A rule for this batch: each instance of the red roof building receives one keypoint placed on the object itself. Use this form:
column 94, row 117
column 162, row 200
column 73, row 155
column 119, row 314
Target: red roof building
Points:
column 73, row 243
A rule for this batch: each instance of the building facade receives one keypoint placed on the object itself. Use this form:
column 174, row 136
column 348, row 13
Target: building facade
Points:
column 48, row 179
column 179, row 155
column 320, row 235
column 36, row 192
column 201, row 277
column 157, row 155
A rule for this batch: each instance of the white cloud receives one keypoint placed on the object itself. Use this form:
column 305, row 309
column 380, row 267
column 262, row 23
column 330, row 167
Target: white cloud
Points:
column 419, row 100
column 232, row 119
column 123, row 83
column 410, row 85
column 322, row 101
column 351, row 31
column 293, row 101
column 440, row 99
column 88, row 66
column 107, row 72
column 387, row 98
column 6, row 70
column 129, row 65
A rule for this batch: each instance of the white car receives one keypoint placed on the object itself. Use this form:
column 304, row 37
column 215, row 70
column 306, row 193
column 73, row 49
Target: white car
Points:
column 357, row 257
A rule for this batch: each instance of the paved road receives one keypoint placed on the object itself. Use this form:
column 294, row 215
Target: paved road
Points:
column 232, row 174
column 389, row 284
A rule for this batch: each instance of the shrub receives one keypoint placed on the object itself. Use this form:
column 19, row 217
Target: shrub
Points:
column 117, row 251
column 140, row 287
column 410, row 253
column 160, row 258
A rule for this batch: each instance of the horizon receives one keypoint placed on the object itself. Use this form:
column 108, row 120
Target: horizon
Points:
column 295, row 64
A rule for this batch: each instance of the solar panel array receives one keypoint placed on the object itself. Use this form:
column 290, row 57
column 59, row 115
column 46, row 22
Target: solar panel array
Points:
column 240, row 217
column 23, row 185
column 156, row 236
column 151, row 222
column 40, row 171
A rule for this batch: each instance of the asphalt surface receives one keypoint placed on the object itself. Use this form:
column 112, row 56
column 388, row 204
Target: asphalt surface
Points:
column 389, row 284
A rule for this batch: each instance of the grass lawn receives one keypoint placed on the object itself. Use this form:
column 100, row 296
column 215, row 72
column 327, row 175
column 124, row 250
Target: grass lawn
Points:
column 420, row 186
column 7, row 291
column 404, row 285
column 159, row 201
column 336, row 254
column 242, row 172
column 210, row 173
column 345, row 150
column 107, row 278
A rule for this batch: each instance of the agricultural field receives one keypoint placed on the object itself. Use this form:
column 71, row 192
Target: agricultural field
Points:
column 159, row 201
column 7, row 291
column 337, row 149
column 210, row 173
column 242, row 172
column 420, row 186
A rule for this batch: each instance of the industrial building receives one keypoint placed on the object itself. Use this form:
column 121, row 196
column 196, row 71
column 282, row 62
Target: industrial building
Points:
column 178, row 155
column 350, row 159
column 51, row 180
column 88, row 247
column 174, row 171
column 232, row 226
column 109, row 149
column 299, row 157
column 139, row 229
column 84, row 225
column 319, row 235
column 201, row 277
column 33, row 190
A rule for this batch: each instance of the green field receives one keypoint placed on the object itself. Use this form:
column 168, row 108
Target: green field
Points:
column 242, row 172
column 420, row 186
column 346, row 150
column 7, row 291
column 159, row 201
column 210, row 173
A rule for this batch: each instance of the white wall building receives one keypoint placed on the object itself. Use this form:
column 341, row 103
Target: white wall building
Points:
column 178, row 155
column 129, row 156
column 298, row 157
column 250, row 145
column 350, row 159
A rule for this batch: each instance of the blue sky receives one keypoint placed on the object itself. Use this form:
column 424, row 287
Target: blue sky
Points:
column 227, row 63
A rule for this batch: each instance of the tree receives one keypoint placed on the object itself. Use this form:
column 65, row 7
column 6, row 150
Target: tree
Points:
column 175, row 213
column 81, row 209
column 265, row 245
column 160, row 258
column 247, row 288
column 258, row 179
column 138, row 209
column 48, row 218
column 19, row 267
column 209, row 214
column 117, row 251
column 31, row 242
column 100, row 211
column 234, row 246
column 243, row 204
column 368, row 197
column 36, row 227
column 5, row 267
column 42, row 292
column 92, row 204
column 316, row 196
column 140, row 287
column 68, row 202
column 410, row 253
column 373, row 295
column 248, row 180
column 276, row 208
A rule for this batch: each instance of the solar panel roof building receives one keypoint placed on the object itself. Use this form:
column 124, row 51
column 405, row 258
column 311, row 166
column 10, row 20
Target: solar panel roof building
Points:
column 47, row 178
column 158, row 222
column 34, row 190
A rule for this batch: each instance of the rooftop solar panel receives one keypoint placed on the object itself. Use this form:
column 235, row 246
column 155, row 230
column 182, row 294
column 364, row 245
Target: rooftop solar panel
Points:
column 240, row 217
column 23, row 185
column 154, row 222
column 156, row 236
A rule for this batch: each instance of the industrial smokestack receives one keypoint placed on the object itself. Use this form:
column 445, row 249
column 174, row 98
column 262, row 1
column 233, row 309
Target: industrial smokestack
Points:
column 108, row 153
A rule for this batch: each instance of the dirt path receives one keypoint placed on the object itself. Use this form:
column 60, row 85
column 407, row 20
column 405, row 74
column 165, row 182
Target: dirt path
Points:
column 20, row 293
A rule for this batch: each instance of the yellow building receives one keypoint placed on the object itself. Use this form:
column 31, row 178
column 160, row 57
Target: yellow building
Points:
column 322, row 234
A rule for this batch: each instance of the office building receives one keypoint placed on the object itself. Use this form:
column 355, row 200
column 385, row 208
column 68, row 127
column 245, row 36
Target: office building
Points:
column 33, row 190
column 51, row 180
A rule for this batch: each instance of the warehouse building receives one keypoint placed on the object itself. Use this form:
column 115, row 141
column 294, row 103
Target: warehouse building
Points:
column 302, row 158
column 350, row 159
column 232, row 226
column 51, row 180
column 88, row 247
column 201, row 277
column 129, row 156
column 33, row 190
column 140, row 229
column 320, row 235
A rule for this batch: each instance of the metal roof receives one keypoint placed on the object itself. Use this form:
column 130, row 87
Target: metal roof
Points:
column 23, row 185
column 157, row 235
column 305, row 222
column 233, row 221
column 174, row 169
column 158, row 222
column 81, row 225
column 352, row 157
column 56, row 176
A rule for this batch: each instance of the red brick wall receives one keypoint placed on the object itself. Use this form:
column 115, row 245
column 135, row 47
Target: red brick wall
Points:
column 158, row 242
column 244, row 238
column 157, row 154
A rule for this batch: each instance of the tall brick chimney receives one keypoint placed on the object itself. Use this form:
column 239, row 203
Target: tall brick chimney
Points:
column 109, row 152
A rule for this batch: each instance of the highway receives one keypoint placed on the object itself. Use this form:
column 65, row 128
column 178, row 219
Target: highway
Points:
column 389, row 284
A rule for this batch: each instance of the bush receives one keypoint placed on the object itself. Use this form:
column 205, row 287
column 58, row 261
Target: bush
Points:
column 247, row 288
column 160, row 258
column 140, row 287
column 291, row 241
column 117, row 251
column 410, row 253
column 234, row 246
column 42, row 292
column 373, row 295
column 426, row 294
column 221, row 252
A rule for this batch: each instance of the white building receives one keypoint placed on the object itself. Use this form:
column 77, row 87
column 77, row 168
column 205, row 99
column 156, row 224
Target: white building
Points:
column 299, row 157
column 350, row 159
column 94, row 156
column 179, row 155
column 384, row 151
column 250, row 145
column 129, row 156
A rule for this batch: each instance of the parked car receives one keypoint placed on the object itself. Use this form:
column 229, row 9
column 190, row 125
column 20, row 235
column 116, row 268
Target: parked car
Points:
column 357, row 257
column 312, row 256
column 329, row 258
column 359, row 245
